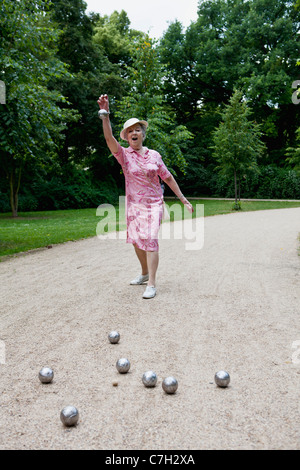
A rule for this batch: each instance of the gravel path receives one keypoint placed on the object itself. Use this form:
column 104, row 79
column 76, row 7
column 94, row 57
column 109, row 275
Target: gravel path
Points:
column 233, row 305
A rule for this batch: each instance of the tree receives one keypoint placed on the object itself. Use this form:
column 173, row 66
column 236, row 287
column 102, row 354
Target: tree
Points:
column 114, row 35
column 31, row 120
column 96, row 50
column 293, row 154
column 178, row 61
column 145, row 101
column 89, row 68
column 237, row 141
column 116, row 40
column 250, row 45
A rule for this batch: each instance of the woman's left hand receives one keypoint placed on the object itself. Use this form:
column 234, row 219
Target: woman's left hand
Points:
column 189, row 206
column 103, row 102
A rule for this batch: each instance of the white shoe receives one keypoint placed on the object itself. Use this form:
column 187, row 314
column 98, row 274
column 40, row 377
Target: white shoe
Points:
column 140, row 279
column 149, row 293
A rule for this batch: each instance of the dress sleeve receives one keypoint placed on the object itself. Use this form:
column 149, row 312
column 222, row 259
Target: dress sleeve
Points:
column 120, row 155
column 163, row 171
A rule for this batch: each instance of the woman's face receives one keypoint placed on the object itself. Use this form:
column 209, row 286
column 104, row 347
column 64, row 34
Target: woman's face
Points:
column 135, row 136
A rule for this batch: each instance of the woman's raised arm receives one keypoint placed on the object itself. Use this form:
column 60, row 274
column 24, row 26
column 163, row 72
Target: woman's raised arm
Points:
column 111, row 142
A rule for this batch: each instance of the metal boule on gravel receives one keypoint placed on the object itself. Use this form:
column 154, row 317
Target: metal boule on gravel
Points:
column 69, row 416
column 149, row 379
column 170, row 385
column 123, row 365
column 46, row 375
column 222, row 378
column 114, row 337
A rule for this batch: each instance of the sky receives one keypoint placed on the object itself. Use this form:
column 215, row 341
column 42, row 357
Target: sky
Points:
column 151, row 16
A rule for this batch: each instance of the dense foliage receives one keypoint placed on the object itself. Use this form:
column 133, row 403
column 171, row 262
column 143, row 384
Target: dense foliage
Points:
column 55, row 60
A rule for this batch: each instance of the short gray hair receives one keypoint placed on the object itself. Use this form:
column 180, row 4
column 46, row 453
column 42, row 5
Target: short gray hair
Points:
column 143, row 131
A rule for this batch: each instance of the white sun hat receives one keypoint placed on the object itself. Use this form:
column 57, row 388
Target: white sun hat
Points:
column 129, row 123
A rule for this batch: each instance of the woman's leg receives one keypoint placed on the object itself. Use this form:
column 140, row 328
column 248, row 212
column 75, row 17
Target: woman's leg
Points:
column 149, row 263
column 152, row 262
column 142, row 257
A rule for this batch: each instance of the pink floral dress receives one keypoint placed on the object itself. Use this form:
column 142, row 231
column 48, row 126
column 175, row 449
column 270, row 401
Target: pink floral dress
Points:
column 144, row 196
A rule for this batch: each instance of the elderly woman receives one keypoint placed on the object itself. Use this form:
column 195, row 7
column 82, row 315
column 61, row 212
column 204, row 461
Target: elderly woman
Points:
column 144, row 196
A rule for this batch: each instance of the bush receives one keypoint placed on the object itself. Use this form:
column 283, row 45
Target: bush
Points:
column 75, row 189
column 273, row 183
column 4, row 202
column 237, row 206
column 27, row 203
column 58, row 194
column 270, row 183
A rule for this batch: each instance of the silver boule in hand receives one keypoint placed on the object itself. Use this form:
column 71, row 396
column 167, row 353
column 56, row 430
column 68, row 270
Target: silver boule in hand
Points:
column 102, row 113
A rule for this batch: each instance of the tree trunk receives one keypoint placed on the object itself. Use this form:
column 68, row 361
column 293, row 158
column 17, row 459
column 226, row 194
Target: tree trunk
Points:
column 235, row 186
column 14, row 191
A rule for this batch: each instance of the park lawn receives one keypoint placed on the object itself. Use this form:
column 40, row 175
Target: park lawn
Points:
column 33, row 230
column 215, row 207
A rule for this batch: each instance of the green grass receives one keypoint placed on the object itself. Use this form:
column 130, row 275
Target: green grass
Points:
column 33, row 230
column 215, row 207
